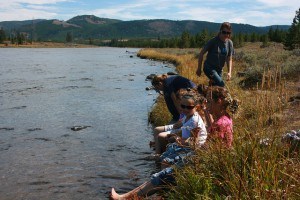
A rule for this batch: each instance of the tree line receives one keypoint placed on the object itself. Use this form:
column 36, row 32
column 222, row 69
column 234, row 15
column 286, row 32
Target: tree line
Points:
column 290, row 38
column 186, row 40
column 15, row 37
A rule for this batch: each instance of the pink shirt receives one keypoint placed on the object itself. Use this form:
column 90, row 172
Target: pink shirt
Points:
column 223, row 128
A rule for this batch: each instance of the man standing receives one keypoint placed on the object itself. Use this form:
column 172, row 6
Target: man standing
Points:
column 219, row 50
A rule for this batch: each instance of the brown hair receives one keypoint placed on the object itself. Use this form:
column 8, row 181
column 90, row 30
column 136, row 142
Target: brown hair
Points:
column 191, row 93
column 221, row 93
column 226, row 25
column 158, row 79
column 202, row 89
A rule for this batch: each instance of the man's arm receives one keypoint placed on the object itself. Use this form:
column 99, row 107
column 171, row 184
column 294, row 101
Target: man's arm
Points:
column 200, row 62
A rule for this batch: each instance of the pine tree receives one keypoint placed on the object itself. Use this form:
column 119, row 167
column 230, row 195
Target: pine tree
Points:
column 20, row 38
column 193, row 42
column 69, row 37
column 254, row 37
column 91, row 41
column 2, row 35
column 271, row 33
column 247, row 37
column 185, row 40
column 201, row 38
column 265, row 40
column 173, row 43
column 238, row 40
column 293, row 36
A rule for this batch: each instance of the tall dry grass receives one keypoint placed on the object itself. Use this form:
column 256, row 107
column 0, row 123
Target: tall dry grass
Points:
column 260, row 166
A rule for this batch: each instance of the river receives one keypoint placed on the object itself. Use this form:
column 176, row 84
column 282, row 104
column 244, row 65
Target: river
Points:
column 47, row 92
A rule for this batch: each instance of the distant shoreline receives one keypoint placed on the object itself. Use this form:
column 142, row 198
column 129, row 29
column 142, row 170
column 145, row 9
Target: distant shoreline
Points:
column 47, row 45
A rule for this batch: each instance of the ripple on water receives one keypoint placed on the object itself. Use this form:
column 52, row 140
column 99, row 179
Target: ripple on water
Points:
column 45, row 93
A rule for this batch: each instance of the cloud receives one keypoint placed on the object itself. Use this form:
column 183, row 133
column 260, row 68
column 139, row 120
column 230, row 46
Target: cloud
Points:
column 256, row 12
column 274, row 17
column 247, row 13
column 25, row 14
column 280, row 3
column 128, row 11
column 37, row 2
column 28, row 9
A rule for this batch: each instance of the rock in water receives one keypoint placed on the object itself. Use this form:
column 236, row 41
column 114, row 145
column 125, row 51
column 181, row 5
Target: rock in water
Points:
column 78, row 128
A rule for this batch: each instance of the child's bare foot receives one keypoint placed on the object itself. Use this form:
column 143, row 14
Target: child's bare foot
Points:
column 114, row 195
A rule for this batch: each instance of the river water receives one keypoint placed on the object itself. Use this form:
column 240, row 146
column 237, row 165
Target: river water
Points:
column 44, row 93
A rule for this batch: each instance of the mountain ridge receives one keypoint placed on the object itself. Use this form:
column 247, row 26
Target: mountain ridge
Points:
column 90, row 26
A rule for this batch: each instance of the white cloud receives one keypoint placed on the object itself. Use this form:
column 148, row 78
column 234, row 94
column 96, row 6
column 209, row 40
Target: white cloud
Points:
column 38, row 2
column 203, row 14
column 41, row 8
column 125, row 12
column 238, row 20
column 28, row 9
column 117, row 13
column 280, row 3
column 257, row 12
column 25, row 14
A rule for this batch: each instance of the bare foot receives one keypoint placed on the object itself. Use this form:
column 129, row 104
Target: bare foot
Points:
column 114, row 195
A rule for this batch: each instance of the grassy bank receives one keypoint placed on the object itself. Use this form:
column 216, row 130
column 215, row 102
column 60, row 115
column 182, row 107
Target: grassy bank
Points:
column 260, row 166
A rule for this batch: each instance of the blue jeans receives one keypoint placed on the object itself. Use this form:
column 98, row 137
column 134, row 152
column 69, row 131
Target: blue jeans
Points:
column 175, row 155
column 214, row 74
column 163, row 177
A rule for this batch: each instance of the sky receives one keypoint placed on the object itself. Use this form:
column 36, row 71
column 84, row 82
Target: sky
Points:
column 253, row 12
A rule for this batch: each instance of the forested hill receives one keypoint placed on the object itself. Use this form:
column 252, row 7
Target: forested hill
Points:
column 92, row 27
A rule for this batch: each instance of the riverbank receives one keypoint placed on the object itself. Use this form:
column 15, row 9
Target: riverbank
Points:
column 266, row 81
column 47, row 45
column 186, row 62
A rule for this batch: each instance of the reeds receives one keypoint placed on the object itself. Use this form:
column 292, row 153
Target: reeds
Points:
column 260, row 166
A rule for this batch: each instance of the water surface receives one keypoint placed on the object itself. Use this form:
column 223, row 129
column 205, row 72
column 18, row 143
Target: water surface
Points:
column 46, row 92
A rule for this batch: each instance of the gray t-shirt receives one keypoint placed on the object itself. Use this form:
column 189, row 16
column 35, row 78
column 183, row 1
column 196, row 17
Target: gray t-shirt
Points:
column 218, row 51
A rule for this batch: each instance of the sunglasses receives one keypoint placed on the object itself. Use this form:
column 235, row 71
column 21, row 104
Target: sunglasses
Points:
column 187, row 107
column 226, row 32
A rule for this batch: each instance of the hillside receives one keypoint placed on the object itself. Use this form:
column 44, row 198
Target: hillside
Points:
column 11, row 25
column 88, row 26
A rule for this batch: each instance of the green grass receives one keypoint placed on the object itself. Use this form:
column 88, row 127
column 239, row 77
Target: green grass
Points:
column 250, row 170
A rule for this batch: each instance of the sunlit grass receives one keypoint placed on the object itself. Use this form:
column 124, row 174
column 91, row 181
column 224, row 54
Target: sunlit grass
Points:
column 259, row 166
